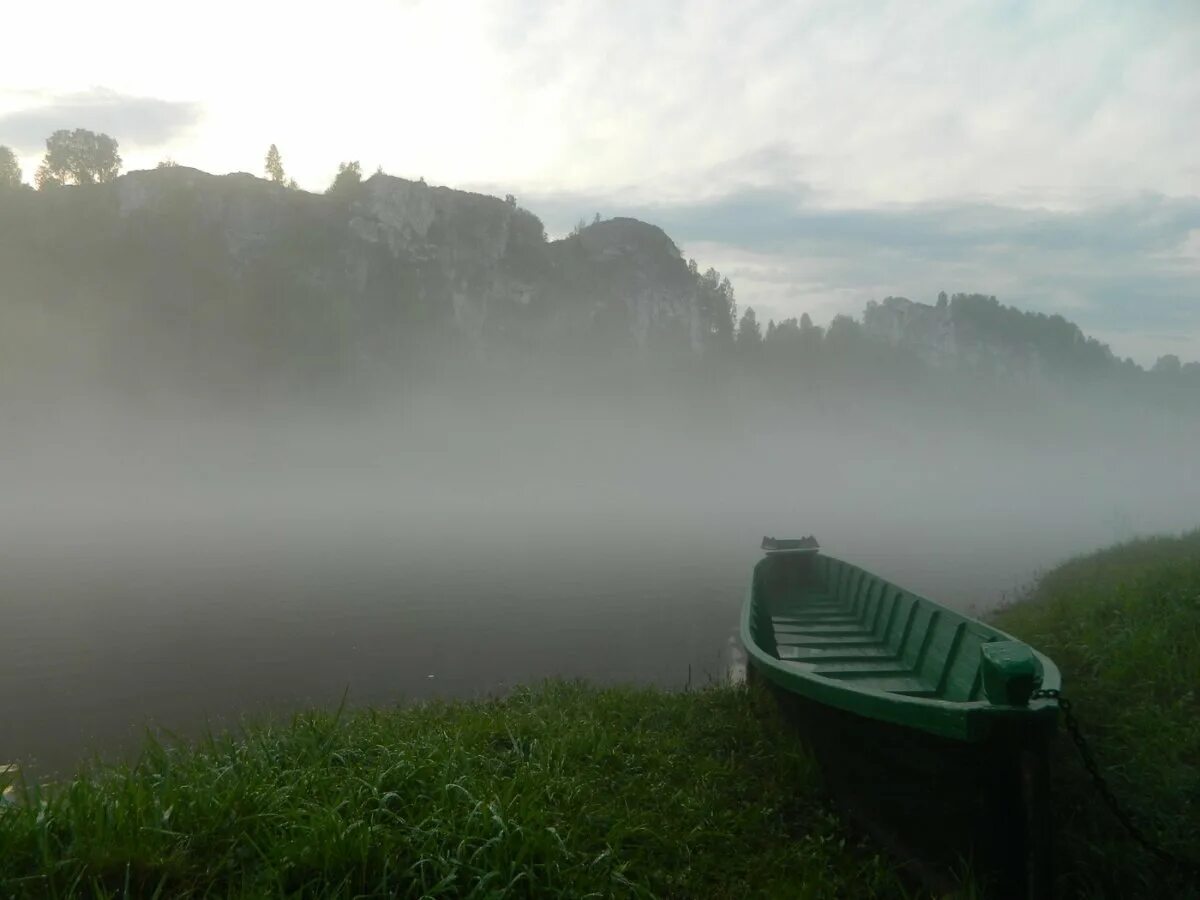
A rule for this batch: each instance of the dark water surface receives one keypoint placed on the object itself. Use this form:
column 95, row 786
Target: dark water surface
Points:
column 110, row 631
column 183, row 588
column 108, row 637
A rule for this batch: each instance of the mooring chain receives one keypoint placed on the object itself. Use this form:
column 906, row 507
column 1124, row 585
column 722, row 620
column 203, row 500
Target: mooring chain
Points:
column 1122, row 814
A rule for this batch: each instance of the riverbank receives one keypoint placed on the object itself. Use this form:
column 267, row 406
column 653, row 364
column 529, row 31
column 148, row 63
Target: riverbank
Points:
column 1124, row 627
column 572, row 790
column 561, row 790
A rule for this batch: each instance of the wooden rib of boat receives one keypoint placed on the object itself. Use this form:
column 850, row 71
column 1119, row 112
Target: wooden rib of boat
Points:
column 924, row 720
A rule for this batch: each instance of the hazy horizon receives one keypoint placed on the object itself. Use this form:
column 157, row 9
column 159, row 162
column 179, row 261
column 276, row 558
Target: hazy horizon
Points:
column 181, row 573
column 820, row 156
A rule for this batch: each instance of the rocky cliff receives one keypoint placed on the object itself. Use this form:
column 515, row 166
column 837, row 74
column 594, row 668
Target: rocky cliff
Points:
column 976, row 333
column 234, row 271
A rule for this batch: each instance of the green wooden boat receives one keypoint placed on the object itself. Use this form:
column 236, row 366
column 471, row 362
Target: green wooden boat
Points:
column 912, row 709
column 834, row 633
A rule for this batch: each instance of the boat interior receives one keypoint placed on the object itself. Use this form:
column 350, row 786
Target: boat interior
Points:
column 829, row 618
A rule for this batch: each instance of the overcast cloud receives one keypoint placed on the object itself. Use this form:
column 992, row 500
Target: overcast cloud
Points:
column 821, row 154
column 140, row 122
column 1129, row 270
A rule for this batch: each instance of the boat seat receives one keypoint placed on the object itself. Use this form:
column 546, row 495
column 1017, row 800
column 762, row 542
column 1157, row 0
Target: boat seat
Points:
column 856, row 627
column 874, row 652
column 813, row 599
column 908, row 685
column 841, row 618
column 858, row 668
column 837, row 640
column 891, row 680
column 804, row 606
column 802, row 633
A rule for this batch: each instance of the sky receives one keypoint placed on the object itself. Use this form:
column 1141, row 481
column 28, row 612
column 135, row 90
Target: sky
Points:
column 819, row 154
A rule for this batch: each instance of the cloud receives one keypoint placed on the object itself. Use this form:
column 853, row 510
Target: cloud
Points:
column 133, row 121
column 870, row 101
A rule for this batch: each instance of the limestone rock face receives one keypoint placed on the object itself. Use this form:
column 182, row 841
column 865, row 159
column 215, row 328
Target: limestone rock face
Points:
column 394, row 211
column 929, row 330
column 247, row 211
column 647, row 275
column 972, row 332
column 398, row 254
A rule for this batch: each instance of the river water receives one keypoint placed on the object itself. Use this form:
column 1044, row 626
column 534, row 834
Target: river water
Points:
column 188, row 595
column 116, row 632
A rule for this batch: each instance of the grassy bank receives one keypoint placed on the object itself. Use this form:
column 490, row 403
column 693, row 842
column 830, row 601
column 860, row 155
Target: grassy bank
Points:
column 569, row 790
column 563, row 790
column 1124, row 626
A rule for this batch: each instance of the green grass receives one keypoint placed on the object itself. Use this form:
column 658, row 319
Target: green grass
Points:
column 562, row 790
column 577, row 791
column 1124, row 626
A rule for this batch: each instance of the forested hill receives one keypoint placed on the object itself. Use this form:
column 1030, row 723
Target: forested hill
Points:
column 230, row 277
column 978, row 332
column 216, row 283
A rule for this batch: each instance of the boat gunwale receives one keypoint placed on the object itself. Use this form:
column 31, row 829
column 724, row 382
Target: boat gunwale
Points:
column 967, row 720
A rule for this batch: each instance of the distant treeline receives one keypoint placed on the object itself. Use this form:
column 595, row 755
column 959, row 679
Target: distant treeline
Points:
column 177, row 279
column 964, row 334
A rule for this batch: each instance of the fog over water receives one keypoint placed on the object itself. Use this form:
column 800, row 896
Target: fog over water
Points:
column 185, row 571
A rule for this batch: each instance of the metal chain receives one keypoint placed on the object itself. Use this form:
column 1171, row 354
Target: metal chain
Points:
column 1122, row 814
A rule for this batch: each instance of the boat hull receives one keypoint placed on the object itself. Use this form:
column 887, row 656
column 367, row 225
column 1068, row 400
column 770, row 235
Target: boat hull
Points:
column 941, row 807
column 925, row 722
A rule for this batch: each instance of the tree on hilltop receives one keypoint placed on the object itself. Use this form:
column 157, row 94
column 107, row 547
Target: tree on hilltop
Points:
column 1167, row 364
column 274, row 166
column 749, row 334
column 717, row 306
column 10, row 169
column 347, row 180
column 78, row 157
